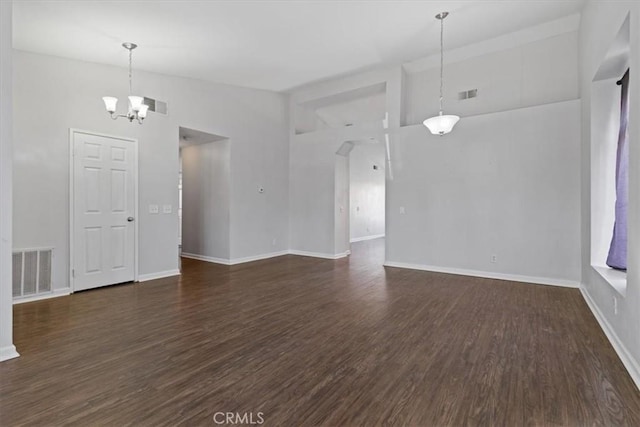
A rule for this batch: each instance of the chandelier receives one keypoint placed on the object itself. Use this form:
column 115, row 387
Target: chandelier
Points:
column 442, row 123
column 137, row 109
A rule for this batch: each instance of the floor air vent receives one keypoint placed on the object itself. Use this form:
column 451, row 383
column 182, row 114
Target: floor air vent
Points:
column 31, row 272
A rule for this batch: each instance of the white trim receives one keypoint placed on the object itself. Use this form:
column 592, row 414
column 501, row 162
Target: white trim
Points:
column 487, row 274
column 158, row 275
column 243, row 260
column 258, row 257
column 615, row 278
column 320, row 255
column 360, row 239
column 43, row 248
column 627, row 359
column 206, row 258
column 53, row 294
column 136, row 215
column 8, row 352
column 234, row 261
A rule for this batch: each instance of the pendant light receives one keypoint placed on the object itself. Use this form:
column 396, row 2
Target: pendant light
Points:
column 137, row 110
column 442, row 123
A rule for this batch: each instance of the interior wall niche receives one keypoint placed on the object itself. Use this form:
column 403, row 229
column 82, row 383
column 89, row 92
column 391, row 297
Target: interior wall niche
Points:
column 605, row 126
column 364, row 107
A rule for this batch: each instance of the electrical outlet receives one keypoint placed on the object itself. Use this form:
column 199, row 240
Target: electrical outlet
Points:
column 153, row 209
column 494, row 258
column 167, row 209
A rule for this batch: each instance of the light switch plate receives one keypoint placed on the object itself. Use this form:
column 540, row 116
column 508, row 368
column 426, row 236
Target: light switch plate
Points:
column 153, row 209
column 166, row 209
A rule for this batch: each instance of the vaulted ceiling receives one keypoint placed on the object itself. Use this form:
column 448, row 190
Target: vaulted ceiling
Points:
column 273, row 45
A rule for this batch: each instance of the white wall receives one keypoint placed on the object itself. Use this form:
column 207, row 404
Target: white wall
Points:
column 206, row 184
column 312, row 196
column 503, row 184
column 52, row 95
column 618, row 315
column 312, row 158
column 535, row 73
column 7, row 349
column 366, row 191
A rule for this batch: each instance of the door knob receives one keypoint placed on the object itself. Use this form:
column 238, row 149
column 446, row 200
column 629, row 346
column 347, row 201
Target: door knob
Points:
column 130, row 219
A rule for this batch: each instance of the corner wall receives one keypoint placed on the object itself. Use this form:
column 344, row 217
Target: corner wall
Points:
column 7, row 349
column 599, row 26
column 505, row 182
column 54, row 94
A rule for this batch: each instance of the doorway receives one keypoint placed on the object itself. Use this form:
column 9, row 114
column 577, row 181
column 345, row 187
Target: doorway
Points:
column 204, row 196
column 103, row 211
column 360, row 184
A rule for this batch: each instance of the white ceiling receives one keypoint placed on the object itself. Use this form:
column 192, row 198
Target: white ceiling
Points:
column 274, row 45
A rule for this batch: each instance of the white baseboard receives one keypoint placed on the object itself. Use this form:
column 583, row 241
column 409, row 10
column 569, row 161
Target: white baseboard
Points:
column 264, row 256
column 158, row 275
column 258, row 257
column 360, row 239
column 206, row 258
column 487, row 274
column 627, row 359
column 53, row 294
column 234, row 261
column 320, row 255
column 8, row 352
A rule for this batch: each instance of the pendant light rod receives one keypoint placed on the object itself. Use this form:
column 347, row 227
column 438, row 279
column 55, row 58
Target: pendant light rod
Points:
column 441, row 17
column 441, row 124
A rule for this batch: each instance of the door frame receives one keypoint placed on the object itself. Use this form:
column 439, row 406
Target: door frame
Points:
column 136, row 244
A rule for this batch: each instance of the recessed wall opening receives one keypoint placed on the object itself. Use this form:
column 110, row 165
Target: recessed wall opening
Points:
column 204, row 189
column 360, row 192
column 364, row 107
column 607, row 159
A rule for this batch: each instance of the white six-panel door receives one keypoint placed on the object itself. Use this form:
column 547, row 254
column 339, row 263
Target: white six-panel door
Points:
column 103, row 210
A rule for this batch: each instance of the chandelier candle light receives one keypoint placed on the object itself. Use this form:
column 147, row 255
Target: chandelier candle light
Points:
column 442, row 123
column 137, row 110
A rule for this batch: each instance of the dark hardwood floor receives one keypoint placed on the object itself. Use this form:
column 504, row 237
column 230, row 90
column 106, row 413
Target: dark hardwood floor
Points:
column 306, row 341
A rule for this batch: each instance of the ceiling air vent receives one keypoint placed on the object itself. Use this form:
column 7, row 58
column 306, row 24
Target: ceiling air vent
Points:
column 156, row 106
column 467, row 94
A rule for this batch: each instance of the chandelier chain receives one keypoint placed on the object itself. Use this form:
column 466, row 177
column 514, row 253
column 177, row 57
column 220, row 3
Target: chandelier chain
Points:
column 130, row 86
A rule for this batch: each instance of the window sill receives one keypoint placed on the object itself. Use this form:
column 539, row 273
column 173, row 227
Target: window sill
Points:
column 616, row 278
